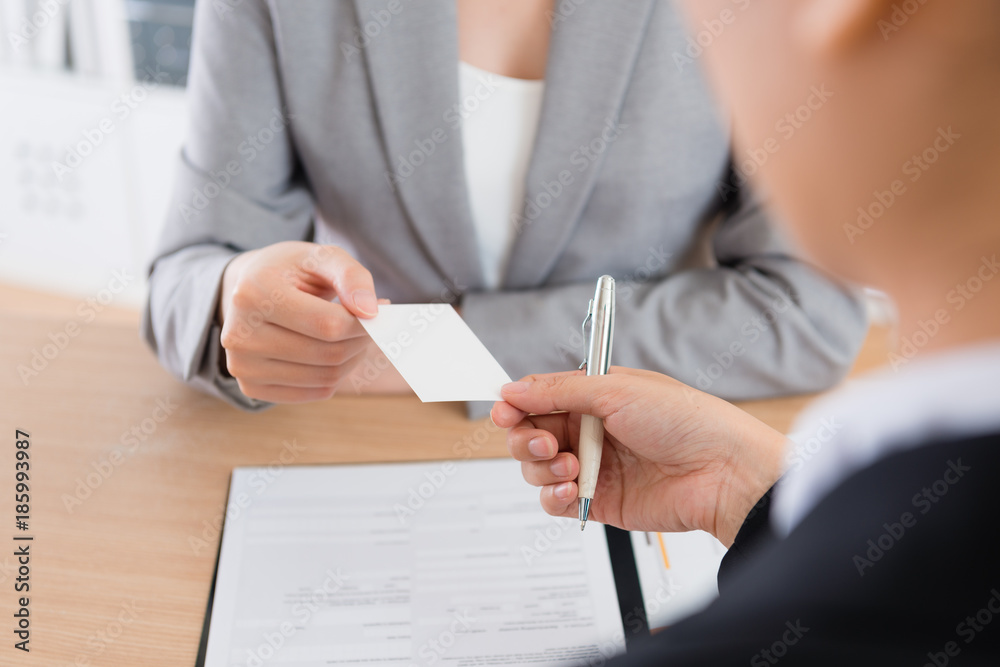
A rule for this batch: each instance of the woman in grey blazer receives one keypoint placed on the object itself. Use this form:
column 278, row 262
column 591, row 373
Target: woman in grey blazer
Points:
column 317, row 123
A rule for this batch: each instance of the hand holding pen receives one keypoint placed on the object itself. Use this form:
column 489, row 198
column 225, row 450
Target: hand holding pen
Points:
column 674, row 458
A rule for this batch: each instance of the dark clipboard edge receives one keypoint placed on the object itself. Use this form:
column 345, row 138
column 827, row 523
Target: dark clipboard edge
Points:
column 203, row 643
column 623, row 569
column 635, row 625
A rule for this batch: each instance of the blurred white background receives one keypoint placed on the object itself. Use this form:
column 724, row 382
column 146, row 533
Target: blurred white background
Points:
column 92, row 118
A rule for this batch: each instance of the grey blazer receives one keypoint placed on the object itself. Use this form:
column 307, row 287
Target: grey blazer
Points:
column 321, row 119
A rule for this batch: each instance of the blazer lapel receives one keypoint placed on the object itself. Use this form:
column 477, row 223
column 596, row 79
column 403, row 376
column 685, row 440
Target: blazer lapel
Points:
column 413, row 71
column 591, row 55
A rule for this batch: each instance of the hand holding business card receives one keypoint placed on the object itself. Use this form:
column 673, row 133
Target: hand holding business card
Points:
column 436, row 352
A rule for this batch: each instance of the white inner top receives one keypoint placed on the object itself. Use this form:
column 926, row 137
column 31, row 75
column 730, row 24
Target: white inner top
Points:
column 499, row 121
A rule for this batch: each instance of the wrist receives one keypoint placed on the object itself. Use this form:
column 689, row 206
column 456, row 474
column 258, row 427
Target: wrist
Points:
column 754, row 468
column 227, row 284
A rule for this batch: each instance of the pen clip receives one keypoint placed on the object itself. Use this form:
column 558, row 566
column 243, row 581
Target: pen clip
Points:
column 611, row 333
column 588, row 323
column 600, row 332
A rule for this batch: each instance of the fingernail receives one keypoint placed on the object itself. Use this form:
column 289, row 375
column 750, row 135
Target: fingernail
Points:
column 514, row 388
column 564, row 491
column 365, row 301
column 559, row 467
column 539, row 447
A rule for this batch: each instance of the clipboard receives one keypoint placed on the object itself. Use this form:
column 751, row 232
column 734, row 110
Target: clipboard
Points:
column 618, row 553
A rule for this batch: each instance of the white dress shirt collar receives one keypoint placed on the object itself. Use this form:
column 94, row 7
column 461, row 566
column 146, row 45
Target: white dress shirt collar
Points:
column 946, row 396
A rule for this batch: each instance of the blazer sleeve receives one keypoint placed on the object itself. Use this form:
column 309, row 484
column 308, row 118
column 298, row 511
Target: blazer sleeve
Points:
column 227, row 198
column 876, row 574
column 759, row 323
column 754, row 535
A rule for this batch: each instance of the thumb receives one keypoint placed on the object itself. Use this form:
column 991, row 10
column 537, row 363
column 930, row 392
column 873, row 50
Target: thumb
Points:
column 352, row 282
column 597, row 395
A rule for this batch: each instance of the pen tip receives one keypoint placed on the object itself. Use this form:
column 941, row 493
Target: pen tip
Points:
column 584, row 507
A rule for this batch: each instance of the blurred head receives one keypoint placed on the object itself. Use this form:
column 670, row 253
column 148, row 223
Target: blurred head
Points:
column 870, row 125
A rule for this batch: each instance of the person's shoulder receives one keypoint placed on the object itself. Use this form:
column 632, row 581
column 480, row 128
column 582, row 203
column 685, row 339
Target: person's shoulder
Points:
column 886, row 568
column 911, row 509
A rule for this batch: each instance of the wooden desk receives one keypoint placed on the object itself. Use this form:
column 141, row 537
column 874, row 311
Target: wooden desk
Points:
column 126, row 526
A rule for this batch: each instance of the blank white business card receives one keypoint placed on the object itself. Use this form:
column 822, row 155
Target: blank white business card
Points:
column 436, row 352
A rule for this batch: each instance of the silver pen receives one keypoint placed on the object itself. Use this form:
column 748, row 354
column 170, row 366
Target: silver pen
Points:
column 598, row 330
